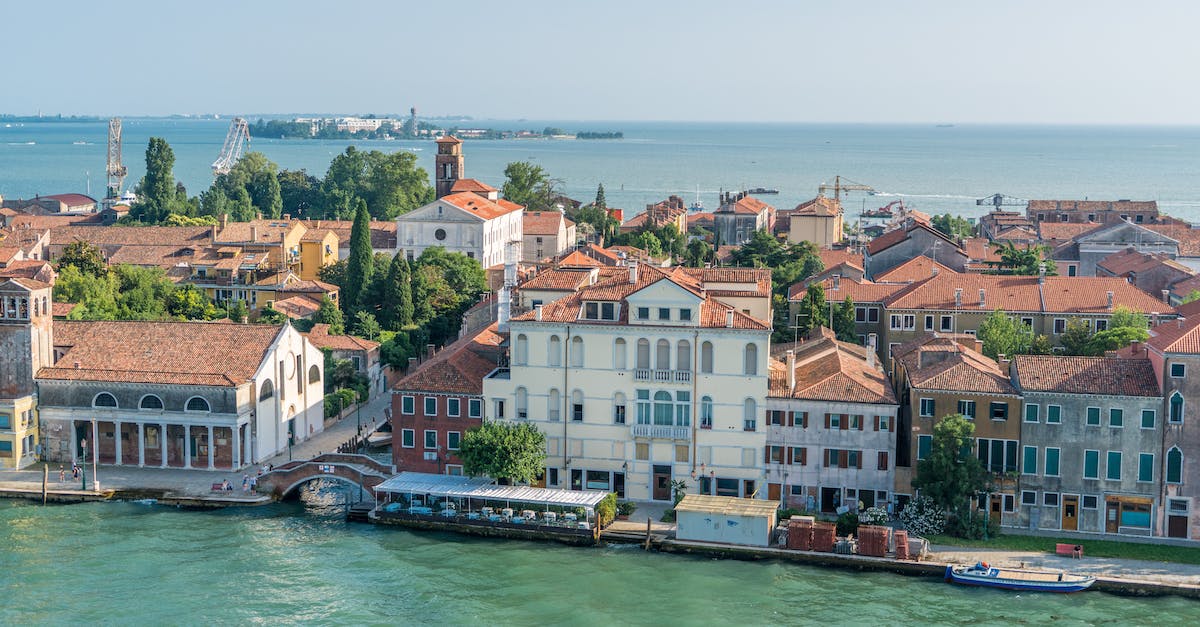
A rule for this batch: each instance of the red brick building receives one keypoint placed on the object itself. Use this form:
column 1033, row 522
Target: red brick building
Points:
column 439, row 400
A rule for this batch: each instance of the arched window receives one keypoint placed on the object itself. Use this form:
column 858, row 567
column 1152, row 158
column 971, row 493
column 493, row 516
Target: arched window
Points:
column 619, row 408
column 576, row 352
column 643, row 354
column 1174, row 465
column 521, row 354
column 662, row 356
column 749, row 415
column 104, row 399
column 619, row 353
column 706, row 412
column 197, row 403
column 268, row 390
column 750, row 359
column 663, row 408
column 683, row 355
column 555, row 356
column 36, row 310
column 314, row 374
column 299, row 376
column 1176, row 414
column 150, row 401
column 554, row 405
column 706, row 358
column 522, row 403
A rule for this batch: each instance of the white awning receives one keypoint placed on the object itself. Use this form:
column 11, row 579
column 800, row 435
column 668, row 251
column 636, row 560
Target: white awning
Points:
column 460, row 487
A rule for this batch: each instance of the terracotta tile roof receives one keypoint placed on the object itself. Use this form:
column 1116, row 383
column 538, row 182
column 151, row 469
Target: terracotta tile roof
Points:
column 1176, row 336
column 1020, row 293
column 747, row 205
column 1016, row 234
column 820, row 206
column 829, row 370
column 941, row 363
column 1185, row 287
column 700, row 219
column 258, row 231
column 27, row 283
column 1086, row 375
column 153, row 255
column 1123, row 262
column 1055, row 233
column 560, row 279
column 29, row 269
column 297, row 307
column 62, row 310
column 604, row 256
column 831, row 257
column 900, row 234
column 448, row 139
column 320, row 337
column 183, row 353
column 543, row 222
column 1187, row 236
column 36, row 222
column 980, row 249
column 7, row 253
column 729, row 282
column 1063, row 294
column 578, row 260
column 72, row 200
column 915, row 269
column 132, row 235
column 480, row 206
column 383, row 232
column 471, row 185
column 309, row 287
column 458, row 368
column 847, row 287
column 1092, row 205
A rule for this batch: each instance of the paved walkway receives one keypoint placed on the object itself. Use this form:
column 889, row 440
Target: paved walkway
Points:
column 1165, row 572
column 181, row 482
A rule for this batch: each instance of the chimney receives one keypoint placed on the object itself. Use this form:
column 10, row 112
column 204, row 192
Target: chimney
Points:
column 982, row 298
column 77, row 365
column 837, row 283
column 254, row 233
column 977, row 344
column 1166, row 296
column 1041, row 273
column 633, row 271
column 287, row 216
column 1180, row 321
column 537, row 313
column 1135, row 347
column 933, row 271
column 729, row 318
column 412, row 364
column 791, row 370
column 958, row 297
column 429, row 349
column 214, row 234
column 224, row 220
column 1110, row 299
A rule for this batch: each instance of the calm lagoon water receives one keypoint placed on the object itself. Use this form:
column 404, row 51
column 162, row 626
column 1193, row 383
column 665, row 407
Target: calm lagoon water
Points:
column 298, row 562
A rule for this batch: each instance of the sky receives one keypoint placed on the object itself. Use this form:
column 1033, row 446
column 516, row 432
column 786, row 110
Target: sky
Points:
column 1017, row 61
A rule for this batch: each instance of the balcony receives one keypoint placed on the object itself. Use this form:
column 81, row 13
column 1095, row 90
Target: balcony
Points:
column 661, row 432
column 662, row 376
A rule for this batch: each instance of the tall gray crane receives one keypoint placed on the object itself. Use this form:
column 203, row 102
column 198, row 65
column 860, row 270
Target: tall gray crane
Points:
column 114, row 169
column 237, row 138
column 1000, row 200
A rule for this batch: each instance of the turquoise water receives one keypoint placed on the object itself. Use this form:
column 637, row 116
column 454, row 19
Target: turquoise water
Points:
column 289, row 563
column 935, row 169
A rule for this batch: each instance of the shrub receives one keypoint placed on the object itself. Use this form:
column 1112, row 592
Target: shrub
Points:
column 626, row 508
column 873, row 516
column 847, row 524
column 606, row 510
column 922, row 517
column 668, row 516
column 787, row 513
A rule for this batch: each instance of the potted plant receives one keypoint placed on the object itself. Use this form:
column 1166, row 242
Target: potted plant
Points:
column 625, row 509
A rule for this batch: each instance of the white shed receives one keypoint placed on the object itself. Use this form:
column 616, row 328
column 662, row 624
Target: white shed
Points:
column 725, row 519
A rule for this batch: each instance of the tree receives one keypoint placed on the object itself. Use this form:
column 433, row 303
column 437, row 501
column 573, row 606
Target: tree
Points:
column 178, row 219
column 189, row 303
column 1115, row 339
column 270, row 315
column 250, row 188
column 365, row 325
column 1075, row 337
column 156, row 192
column 950, row 474
column 85, row 257
column 389, row 184
column 300, row 193
column 328, row 313
column 358, row 265
column 1027, row 261
column 1123, row 316
column 1041, row 345
column 1192, row 296
column 516, row 452
column 600, row 202
column 843, row 321
column 649, row 242
column 698, row 253
column 604, row 225
column 953, row 226
column 529, row 185
column 812, row 310
column 237, row 310
column 1003, row 335
column 397, row 310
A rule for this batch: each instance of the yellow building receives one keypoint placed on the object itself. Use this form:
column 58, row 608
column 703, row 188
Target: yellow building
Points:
column 318, row 248
column 818, row 220
column 18, row 432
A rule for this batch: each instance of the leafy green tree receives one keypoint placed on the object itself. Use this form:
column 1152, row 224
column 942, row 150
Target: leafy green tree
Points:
column 1024, row 261
column 366, row 326
column 397, row 310
column 516, row 452
column 389, row 184
column 1002, row 335
column 603, row 224
column 300, row 193
column 953, row 226
column 156, row 192
column 179, row 219
column 462, row 274
column 189, row 303
column 843, row 321
column 237, row 310
column 1192, row 296
column 698, row 253
column 359, row 264
column 650, row 243
column 270, row 315
column 949, row 474
column 95, row 296
column 529, row 185
column 328, row 313
column 1123, row 316
column 813, row 310
column 85, row 257
column 142, row 293
column 1075, row 337
column 1041, row 345
column 251, row 187
column 1115, row 339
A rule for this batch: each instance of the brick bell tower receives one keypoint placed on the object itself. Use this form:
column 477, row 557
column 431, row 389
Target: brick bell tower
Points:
column 448, row 165
column 26, row 346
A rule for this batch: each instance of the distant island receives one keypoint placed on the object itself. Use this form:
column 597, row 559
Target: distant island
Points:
column 7, row 118
column 385, row 128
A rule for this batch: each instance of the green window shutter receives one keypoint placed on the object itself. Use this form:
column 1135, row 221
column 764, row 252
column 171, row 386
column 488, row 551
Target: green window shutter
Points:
column 1116, row 417
column 1174, row 466
column 1029, row 467
column 1091, row 464
column 924, row 446
column 1146, row 467
column 1093, row 416
column 1051, row 462
column 1031, row 413
column 1147, row 418
column 1112, row 470
column 1053, row 414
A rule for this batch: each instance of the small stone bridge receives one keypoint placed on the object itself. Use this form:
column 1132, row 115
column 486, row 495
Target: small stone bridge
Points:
column 358, row 470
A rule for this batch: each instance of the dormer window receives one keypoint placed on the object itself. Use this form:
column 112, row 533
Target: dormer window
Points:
column 599, row 311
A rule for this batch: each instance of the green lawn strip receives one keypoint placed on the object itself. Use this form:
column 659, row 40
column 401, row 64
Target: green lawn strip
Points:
column 1091, row 548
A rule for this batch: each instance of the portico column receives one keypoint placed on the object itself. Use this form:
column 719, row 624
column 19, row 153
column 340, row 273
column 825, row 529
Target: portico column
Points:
column 187, row 446
column 235, row 442
column 74, row 437
column 248, row 457
column 162, row 440
column 141, row 445
column 117, row 439
column 210, row 447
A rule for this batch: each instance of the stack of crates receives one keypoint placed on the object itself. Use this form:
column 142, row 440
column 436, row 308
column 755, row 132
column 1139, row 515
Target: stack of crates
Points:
column 800, row 533
column 901, row 545
column 873, row 540
column 824, row 536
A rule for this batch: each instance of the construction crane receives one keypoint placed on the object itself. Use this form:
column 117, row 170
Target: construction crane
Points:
column 237, row 138
column 1000, row 200
column 841, row 184
column 114, row 169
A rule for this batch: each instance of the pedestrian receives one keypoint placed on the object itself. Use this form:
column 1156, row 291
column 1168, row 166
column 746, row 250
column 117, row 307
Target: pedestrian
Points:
column 245, row 483
column 253, row 483
column 62, row 473
column 75, row 471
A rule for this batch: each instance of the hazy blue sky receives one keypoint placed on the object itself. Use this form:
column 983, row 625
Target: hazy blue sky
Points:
column 745, row 60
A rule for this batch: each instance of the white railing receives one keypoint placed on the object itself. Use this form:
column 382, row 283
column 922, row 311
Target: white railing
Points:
column 662, row 376
column 661, row 432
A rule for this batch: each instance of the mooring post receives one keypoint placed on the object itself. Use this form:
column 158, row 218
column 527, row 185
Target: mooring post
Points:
column 45, row 480
column 647, row 547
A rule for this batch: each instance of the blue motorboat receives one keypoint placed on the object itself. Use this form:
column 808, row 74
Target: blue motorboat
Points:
column 981, row 574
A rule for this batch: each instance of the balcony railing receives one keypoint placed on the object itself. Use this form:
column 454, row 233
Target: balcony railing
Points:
column 661, row 432
column 662, row 376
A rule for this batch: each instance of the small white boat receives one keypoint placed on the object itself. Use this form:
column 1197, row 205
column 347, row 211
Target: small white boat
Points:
column 981, row 574
column 381, row 436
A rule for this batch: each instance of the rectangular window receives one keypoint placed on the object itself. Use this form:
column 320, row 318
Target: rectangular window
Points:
column 408, row 438
column 775, row 417
column 430, row 406
column 664, row 313
column 1052, row 461
column 1029, row 460
column 1090, row 501
column 799, row 456
column 641, row 451
column 1060, row 325
column 1112, row 469
column 608, row 311
column 1148, row 418
column 643, row 313
column 873, row 314
column 1093, row 416
column 856, row 421
column 1178, row 371
column 1146, row 467
column 453, row 439
column 1050, row 499
column 833, row 421
column 474, row 408
column 453, row 407
column 927, row 407
column 1031, row 412
column 1027, row 322
column 883, row 423
column 5, row 421
column 1028, row 497
column 967, row 408
column 408, row 405
column 1091, row 464
column 685, row 315
column 883, row 461
column 910, row 321
column 1101, row 325
column 928, row 323
column 774, row 455
column 619, row 414
column 500, row 408
column 999, row 411
column 1053, row 414
column 860, row 314
column 430, row 438
column 1116, row 417
column 924, row 446
column 591, row 311
column 947, row 323
column 895, row 321
column 681, row 453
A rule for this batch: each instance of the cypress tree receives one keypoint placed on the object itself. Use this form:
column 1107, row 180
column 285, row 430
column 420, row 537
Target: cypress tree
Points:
column 358, row 266
column 398, row 294
column 600, row 202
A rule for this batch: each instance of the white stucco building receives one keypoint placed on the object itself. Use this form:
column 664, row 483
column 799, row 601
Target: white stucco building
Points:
column 462, row 222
